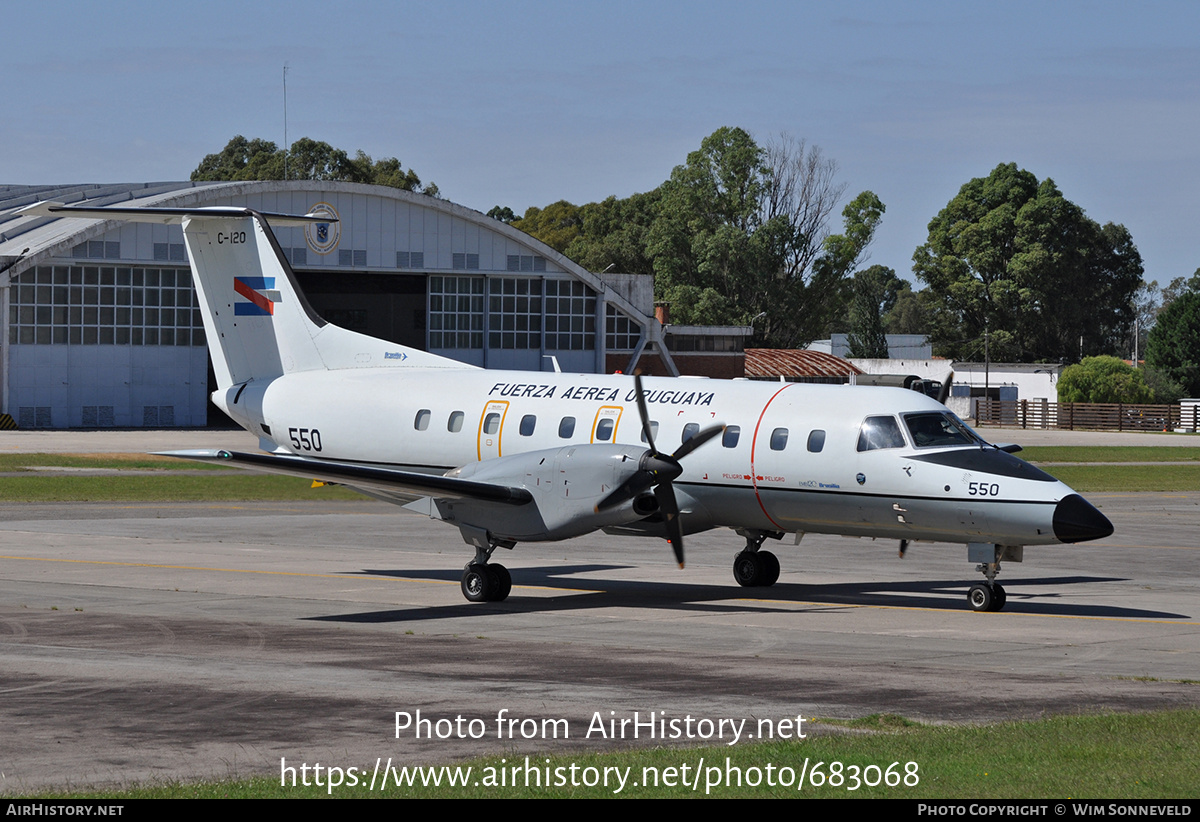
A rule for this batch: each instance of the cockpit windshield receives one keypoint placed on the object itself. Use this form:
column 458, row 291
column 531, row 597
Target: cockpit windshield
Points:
column 933, row 428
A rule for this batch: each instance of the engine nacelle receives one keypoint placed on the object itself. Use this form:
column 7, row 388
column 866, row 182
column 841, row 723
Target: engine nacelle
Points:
column 566, row 483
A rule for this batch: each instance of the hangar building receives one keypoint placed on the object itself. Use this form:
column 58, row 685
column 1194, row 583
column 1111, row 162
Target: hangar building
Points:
column 102, row 329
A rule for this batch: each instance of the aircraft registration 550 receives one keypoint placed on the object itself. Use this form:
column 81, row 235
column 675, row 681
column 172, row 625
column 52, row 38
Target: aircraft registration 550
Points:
column 507, row 457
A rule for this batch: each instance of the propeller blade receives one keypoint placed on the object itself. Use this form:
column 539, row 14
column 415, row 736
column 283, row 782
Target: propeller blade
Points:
column 643, row 412
column 698, row 440
column 669, row 507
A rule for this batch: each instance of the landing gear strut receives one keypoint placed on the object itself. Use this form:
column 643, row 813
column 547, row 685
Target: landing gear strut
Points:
column 484, row 581
column 752, row 567
column 989, row 595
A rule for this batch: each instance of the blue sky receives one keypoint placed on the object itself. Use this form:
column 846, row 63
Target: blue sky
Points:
column 525, row 103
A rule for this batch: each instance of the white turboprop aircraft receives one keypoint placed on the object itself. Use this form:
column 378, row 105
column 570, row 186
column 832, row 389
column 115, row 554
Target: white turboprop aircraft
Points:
column 511, row 456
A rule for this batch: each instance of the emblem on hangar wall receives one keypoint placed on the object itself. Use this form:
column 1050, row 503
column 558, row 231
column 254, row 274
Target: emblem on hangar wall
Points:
column 323, row 237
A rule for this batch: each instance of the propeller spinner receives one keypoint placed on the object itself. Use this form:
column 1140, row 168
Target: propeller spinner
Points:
column 658, row 471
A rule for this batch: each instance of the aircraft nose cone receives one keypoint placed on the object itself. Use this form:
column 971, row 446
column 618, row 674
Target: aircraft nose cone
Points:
column 1077, row 520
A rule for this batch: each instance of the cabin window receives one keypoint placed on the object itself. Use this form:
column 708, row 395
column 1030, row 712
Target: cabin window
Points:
column 528, row 423
column 491, row 423
column 879, row 432
column 816, row 440
column 690, row 430
column 779, row 439
column 938, row 428
column 730, row 438
column 653, row 431
column 454, row 424
column 604, row 429
column 566, row 427
column 422, row 420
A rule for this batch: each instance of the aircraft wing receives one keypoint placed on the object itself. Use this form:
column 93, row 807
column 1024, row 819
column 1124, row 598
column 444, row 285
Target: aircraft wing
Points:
column 390, row 482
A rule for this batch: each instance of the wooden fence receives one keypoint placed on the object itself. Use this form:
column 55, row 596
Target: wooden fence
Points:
column 1083, row 415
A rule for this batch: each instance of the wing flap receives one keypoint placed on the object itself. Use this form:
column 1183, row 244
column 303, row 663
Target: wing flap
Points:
column 381, row 479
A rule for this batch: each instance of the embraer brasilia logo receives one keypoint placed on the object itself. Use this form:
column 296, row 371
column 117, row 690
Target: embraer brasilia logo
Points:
column 252, row 289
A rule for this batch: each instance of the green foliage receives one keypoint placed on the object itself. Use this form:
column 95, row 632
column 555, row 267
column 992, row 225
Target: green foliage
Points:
column 504, row 215
column 738, row 231
column 1014, row 256
column 1103, row 379
column 874, row 293
column 556, row 225
column 912, row 312
column 729, row 229
column 1174, row 342
column 308, row 159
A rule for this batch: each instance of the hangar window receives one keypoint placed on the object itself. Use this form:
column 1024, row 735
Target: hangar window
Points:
column 690, row 430
column 454, row 424
column 570, row 316
column 621, row 333
column 528, row 423
column 87, row 305
column 514, row 313
column 730, row 438
column 455, row 317
column 422, row 420
column 566, row 427
column 816, row 441
column 779, row 438
column 526, row 262
column 604, row 429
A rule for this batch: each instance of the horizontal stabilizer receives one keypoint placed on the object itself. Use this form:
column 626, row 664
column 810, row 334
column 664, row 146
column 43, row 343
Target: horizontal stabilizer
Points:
column 166, row 216
column 367, row 477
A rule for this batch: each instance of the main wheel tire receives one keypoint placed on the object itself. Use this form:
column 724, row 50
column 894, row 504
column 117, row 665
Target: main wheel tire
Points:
column 999, row 597
column 981, row 598
column 501, row 582
column 747, row 569
column 770, row 569
column 477, row 583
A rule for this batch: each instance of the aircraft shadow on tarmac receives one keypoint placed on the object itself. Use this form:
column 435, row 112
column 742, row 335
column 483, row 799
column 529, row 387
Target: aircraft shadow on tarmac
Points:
column 1039, row 596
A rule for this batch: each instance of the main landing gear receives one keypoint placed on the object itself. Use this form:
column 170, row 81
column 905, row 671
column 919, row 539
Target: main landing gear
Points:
column 754, row 568
column 484, row 581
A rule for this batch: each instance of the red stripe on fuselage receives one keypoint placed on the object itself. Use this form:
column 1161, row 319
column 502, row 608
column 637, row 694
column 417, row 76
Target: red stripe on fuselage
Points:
column 754, row 449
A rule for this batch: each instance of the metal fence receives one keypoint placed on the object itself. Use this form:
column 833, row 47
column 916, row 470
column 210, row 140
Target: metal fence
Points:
column 1071, row 416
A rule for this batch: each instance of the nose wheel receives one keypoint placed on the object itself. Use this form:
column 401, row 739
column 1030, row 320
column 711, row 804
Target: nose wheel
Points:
column 984, row 597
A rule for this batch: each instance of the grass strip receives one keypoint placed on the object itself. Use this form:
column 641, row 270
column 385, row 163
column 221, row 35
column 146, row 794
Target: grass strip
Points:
column 1112, row 756
column 1110, row 453
column 1122, row 478
column 222, row 486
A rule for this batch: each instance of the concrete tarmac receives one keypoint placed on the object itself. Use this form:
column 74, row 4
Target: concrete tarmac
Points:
column 145, row 642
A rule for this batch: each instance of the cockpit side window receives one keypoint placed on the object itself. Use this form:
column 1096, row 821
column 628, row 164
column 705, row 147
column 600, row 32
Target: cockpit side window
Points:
column 879, row 432
column 936, row 428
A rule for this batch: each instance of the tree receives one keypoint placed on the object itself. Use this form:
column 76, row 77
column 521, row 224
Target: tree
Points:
column 556, row 225
column 504, row 215
column 1102, row 379
column 308, row 159
column 1174, row 343
column 740, row 235
column 1012, row 259
column 911, row 314
column 873, row 293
